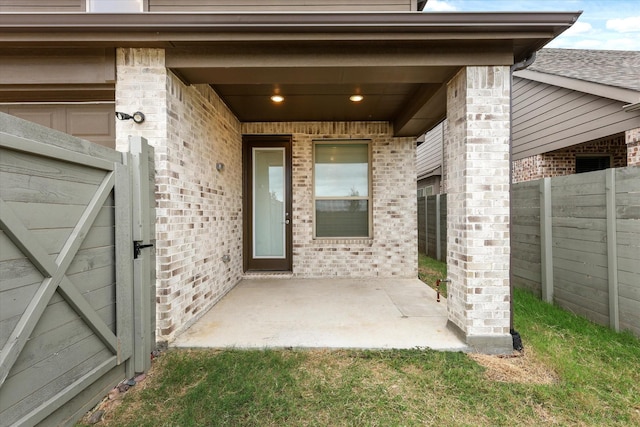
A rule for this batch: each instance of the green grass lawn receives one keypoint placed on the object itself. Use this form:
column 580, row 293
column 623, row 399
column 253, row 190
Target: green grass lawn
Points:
column 572, row 373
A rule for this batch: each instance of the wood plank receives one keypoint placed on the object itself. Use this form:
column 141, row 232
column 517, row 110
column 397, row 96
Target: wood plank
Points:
column 573, row 293
column 585, row 258
column 630, row 290
column 630, row 315
column 55, row 272
column 628, row 225
column 124, row 267
column 14, row 302
column 54, row 366
column 8, row 251
column 41, row 347
column 58, row 216
column 627, row 179
column 599, row 248
column 16, row 188
column 579, row 266
column 580, row 295
column 597, row 284
column 58, row 145
column 18, row 273
column 580, row 224
column 629, row 264
column 586, row 212
column 89, row 259
column 56, row 393
column 585, row 235
column 576, row 181
column 567, row 198
column 86, row 399
column 21, row 163
column 52, row 240
column 87, row 312
column 570, row 305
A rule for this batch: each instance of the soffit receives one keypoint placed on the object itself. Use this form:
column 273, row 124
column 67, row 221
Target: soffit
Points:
column 400, row 62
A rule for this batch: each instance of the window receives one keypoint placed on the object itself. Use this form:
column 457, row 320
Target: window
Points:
column 425, row 191
column 342, row 189
column 115, row 6
column 592, row 163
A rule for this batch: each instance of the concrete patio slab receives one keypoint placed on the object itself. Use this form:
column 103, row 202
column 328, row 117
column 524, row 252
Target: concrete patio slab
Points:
column 325, row 313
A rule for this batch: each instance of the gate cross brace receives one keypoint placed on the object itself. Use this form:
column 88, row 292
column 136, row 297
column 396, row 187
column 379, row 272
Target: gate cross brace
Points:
column 55, row 278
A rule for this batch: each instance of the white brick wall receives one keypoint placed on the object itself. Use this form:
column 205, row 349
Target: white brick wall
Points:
column 477, row 170
column 632, row 138
column 393, row 249
column 199, row 209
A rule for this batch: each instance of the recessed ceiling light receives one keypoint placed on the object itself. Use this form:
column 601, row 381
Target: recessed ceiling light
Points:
column 277, row 98
column 356, row 98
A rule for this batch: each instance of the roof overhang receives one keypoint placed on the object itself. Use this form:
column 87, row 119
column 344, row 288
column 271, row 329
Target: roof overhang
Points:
column 400, row 62
column 597, row 89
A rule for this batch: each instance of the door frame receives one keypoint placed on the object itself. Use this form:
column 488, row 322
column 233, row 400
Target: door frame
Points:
column 249, row 142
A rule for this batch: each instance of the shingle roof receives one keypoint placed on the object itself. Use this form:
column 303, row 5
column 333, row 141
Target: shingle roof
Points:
column 607, row 67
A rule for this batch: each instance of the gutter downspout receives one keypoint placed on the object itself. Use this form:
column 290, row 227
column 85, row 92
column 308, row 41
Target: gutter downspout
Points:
column 517, row 340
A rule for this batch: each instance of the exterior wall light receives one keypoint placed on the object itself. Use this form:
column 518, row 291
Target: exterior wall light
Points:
column 219, row 166
column 137, row 117
column 356, row 98
column 277, row 98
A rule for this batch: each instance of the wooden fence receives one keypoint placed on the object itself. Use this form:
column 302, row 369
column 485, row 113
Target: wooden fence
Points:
column 575, row 241
column 432, row 226
column 76, row 308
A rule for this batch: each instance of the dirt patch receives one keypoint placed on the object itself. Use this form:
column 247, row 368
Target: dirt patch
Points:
column 521, row 368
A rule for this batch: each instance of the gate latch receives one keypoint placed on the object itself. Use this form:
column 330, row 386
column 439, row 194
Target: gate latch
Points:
column 137, row 245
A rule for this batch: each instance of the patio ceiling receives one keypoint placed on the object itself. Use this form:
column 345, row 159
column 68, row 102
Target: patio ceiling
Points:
column 399, row 62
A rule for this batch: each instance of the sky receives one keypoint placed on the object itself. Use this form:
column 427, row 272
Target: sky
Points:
column 603, row 25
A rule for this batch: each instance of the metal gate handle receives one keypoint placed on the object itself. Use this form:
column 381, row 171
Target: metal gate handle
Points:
column 137, row 246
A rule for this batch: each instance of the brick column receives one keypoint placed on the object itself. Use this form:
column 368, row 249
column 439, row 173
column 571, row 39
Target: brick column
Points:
column 632, row 138
column 141, row 85
column 477, row 170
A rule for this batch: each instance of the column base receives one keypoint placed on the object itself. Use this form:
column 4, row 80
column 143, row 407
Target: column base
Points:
column 485, row 344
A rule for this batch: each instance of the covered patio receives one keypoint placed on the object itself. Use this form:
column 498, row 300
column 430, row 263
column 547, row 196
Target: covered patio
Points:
column 325, row 313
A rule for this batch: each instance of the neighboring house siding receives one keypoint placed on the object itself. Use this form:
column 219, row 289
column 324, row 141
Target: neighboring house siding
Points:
column 42, row 5
column 548, row 118
column 281, row 5
column 429, row 161
column 563, row 162
column 93, row 122
column 429, row 153
column 393, row 250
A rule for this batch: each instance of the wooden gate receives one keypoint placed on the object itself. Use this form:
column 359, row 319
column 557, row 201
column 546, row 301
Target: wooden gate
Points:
column 76, row 310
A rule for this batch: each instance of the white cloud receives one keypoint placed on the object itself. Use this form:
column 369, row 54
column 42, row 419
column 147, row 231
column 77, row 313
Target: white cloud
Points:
column 624, row 25
column 438, row 6
column 578, row 28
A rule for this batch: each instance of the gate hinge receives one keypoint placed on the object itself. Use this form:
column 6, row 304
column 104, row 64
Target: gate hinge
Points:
column 137, row 245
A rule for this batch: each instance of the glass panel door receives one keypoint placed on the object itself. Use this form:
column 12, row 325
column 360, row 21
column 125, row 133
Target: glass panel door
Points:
column 267, row 193
column 269, row 213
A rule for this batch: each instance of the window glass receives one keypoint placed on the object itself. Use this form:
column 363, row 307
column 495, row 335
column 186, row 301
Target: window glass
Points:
column 342, row 189
column 114, row 6
column 592, row 163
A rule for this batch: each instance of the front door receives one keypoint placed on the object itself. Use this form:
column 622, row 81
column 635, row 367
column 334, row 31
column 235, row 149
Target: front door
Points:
column 267, row 203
